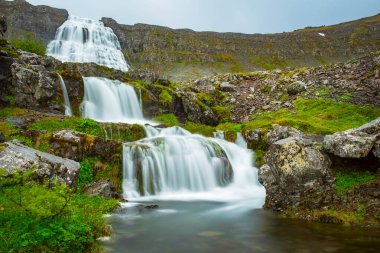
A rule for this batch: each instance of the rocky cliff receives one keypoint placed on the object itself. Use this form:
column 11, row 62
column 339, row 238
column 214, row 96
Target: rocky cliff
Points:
column 184, row 54
column 27, row 21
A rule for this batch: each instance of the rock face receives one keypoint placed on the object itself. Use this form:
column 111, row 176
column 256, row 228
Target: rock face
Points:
column 25, row 20
column 296, row 175
column 102, row 188
column 150, row 46
column 17, row 157
column 3, row 26
column 355, row 143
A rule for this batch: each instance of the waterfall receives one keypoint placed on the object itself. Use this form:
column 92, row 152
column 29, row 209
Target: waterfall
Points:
column 172, row 163
column 86, row 40
column 108, row 100
column 67, row 105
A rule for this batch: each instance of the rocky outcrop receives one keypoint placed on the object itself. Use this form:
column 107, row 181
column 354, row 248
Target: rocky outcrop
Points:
column 297, row 174
column 28, row 21
column 355, row 143
column 17, row 157
column 2, row 137
column 75, row 145
column 3, row 26
column 102, row 188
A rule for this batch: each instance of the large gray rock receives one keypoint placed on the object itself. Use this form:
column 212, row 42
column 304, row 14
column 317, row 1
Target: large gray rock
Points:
column 296, row 87
column 354, row 143
column 102, row 188
column 226, row 86
column 17, row 157
column 296, row 175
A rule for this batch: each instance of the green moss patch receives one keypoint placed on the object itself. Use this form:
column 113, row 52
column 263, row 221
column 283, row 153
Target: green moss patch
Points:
column 167, row 119
column 30, row 45
column 318, row 115
column 196, row 128
column 349, row 180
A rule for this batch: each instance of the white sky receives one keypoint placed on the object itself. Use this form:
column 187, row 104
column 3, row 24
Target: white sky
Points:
column 246, row 16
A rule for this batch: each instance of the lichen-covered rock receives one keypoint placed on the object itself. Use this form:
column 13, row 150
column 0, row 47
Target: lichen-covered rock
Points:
column 103, row 188
column 226, row 86
column 349, row 144
column 296, row 174
column 17, row 157
column 281, row 132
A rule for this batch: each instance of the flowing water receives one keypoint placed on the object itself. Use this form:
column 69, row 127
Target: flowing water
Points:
column 67, row 105
column 206, row 189
column 87, row 40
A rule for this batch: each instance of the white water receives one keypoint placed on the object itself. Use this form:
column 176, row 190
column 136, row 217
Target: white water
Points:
column 174, row 164
column 86, row 40
column 67, row 105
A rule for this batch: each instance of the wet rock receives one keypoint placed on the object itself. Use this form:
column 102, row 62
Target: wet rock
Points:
column 17, row 157
column 296, row 88
column 296, row 175
column 103, row 188
column 151, row 207
column 227, row 87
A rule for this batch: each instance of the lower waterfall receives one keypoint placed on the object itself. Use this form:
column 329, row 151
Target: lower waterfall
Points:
column 67, row 105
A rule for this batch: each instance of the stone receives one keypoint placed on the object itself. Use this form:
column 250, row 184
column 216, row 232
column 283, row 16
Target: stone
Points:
column 3, row 26
column 372, row 127
column 349, row 144
column 226, row 86
column 376, row 149
column 281, row 132
column 296, row 175
column 296, row 88
column 2, row 137
column 17, row 157
column 102, row 188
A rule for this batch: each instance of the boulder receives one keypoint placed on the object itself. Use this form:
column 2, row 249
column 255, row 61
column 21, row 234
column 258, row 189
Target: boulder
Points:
column 297, row 174
column 296, row 88
column 17, row 157
column 227, row 87
column 103, row 188
column 376, row 149
column 281, row 132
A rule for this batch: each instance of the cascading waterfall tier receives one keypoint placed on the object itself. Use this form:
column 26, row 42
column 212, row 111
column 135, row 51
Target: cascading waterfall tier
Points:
column 67, row 105
column 108, row 100
column 173, row 162
column 86, row 40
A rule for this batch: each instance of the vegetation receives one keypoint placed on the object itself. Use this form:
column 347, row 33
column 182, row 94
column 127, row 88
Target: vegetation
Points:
column 318, row 115
column 30, row 45
column 270, row 63
column 8, row 48
column 223, row 113
column 349, row 180
column 196, row 128
column 48, row 217
column 165, row 97
column 167, row 119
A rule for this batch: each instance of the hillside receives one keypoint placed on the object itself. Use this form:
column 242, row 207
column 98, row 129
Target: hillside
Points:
column 182, row 54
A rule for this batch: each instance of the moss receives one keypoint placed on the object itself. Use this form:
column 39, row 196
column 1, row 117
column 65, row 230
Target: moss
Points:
column 204, row 98
column 223, row 113
column 165, row 97
column 229, row 127
column 11, row 112
column 259, row 156
column 8, row 49
column 122, row 132
column 7, row 129
column 270, row 63
column 230, row 136
column 196, row 128
column 167, row 119
column 24, row 140
column 349, row 180
column 318, row 115
column 43, row 142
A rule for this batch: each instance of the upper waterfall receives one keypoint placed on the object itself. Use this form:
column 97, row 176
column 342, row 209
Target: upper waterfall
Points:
column 86, row 40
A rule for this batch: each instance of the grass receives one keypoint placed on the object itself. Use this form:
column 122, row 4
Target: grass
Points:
column 167, row 119
column 320, row 116
column 229, row 126
column 30, row 45
column 196, row 128
column 10, row 112
column 349, row 180
column 165, row 97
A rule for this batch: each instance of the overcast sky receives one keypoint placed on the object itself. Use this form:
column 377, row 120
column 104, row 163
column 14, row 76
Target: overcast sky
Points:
column 246, row 16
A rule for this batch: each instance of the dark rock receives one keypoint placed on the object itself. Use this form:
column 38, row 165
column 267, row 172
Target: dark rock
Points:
column 2, row 137
column 17, row 157
column 103, row 188
column 227, row 87
column 3, row 26
column 296, row 175
column 151, row 207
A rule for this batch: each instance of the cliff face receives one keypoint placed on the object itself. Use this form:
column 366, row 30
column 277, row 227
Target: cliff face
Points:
column 185, row 53
column 27, row 21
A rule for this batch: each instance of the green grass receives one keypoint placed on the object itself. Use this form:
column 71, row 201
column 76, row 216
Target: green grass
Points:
column 10, row 112
column 196, row 128
column 229, row 126
column 165, row 97
column 348, row 180
column 30, row 45
column 318, row 115
column 46, row 218
column 223, row 113
column 167, row 119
